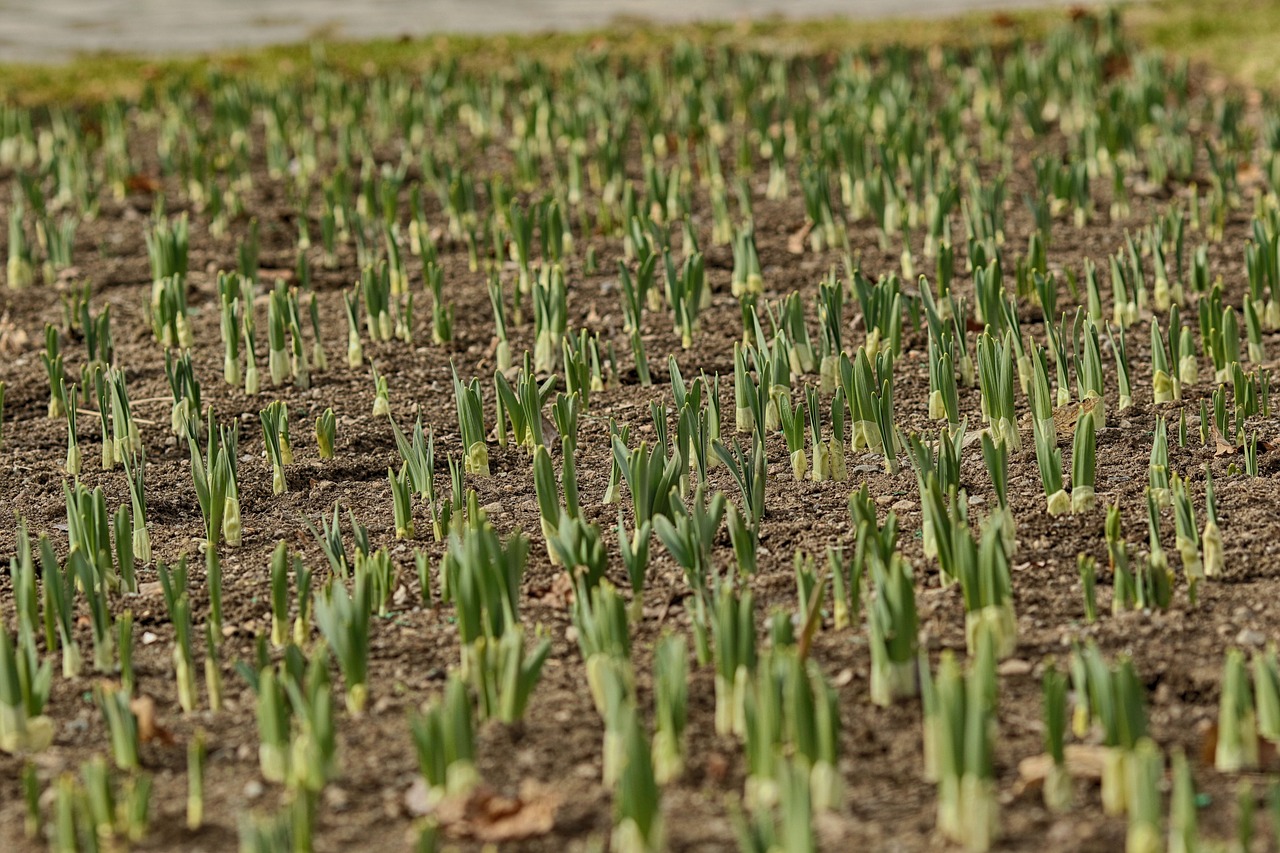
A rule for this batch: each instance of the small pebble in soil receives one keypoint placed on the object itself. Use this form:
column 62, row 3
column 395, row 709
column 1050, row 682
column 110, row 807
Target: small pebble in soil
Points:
column 336, row 798
column 416, row 799
column 1014, row 666
column 1250, row 637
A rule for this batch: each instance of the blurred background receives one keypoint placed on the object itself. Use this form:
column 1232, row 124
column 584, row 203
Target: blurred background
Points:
column 57, row 30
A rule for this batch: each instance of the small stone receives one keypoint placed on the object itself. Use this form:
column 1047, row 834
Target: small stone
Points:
column 336, row 798
column 148, row 638
column 1014, row 666
column 1250, row 637
column 417, row 800
column 252, row 789
column 493, row 509
column 903, row 505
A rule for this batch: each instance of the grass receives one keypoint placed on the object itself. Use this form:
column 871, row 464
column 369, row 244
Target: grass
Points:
column 98, row 77
column 1238, row 37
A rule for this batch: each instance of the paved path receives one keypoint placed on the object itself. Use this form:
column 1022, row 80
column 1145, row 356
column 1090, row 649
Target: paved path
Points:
column 53, row 30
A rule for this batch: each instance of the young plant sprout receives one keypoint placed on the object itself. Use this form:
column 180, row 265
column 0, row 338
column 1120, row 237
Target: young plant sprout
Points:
column 402, row 501
column 344, row 621
column 122, row 725
column 58, row 588
column 470, row 405
column 275, row 426
column 963, row 732
column 1111, row 697
column 638, row 826
column 995, row 378
column 504, row 673
column 1211, row 538
column 523, row 404
column 821, row 455
column 1083, row 464
column 870, row 396
column 1162, row 386
column 444, row 740
column 355, row 350
column 1158, row 467
column 734, row 644
column 944, row 400
column 381, row 402
column 177, row 598
column 1088, row 570
column 892, row 624
column 252, row 377
column 1187, row 536
column 747, row 278
column 792, row 422
column 983, row 571
column 195, row 781
column 1049, row 460
column 326, row 424
column 74, row 458
column 1184, row 834
column 550, row 317
column 1154, row 578
column 24, row 691
column 671, row 689
column 1145, row 769
column 1237, row 746
column 481, row 575
column 1058, row 793
column 214, row 476
column 603, row 638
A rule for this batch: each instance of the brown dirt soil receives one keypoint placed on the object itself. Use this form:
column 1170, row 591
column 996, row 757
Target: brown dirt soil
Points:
column 888, row 805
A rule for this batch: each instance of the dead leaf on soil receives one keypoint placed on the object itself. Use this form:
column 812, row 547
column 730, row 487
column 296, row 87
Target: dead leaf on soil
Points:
column 1222, row 447
column 1268, row 756
column 144, row 184
column 1084, row 761
column 144, row 708
column 795, row 243
column 1065, row 417
column 13, row 340
column 490, row 818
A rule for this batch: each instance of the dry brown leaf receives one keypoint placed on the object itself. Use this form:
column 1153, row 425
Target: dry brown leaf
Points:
column 144, row 708
column 1222, row 447
column 490, row 818
column 1268, row 756
column 1065, row 417
column 13, row 340
column 277, row 273
column 1084, row 761
column 795, row 243
column 139, row 183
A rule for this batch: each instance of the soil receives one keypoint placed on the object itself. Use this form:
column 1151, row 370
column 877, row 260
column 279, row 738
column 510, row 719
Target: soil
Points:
column 888, row 805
